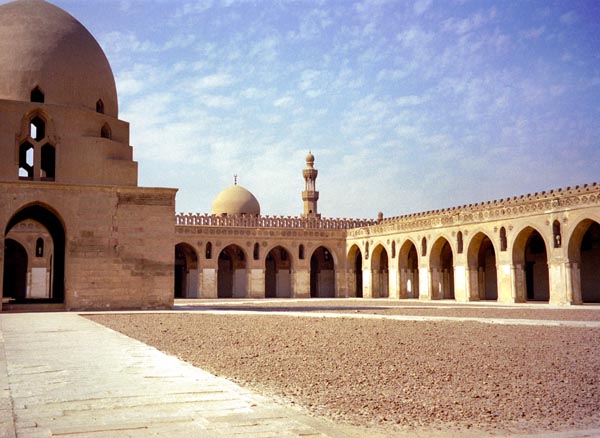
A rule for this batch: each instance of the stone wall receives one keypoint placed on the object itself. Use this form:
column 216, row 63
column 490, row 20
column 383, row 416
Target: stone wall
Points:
column 118, row 241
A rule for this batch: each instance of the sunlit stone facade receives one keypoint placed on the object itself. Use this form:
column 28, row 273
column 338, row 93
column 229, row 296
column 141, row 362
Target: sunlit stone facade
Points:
column 80, row 234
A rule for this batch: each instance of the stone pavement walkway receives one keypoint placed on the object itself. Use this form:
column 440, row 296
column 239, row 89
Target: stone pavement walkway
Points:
column 63, row 375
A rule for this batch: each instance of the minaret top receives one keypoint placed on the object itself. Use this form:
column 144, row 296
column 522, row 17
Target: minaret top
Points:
column 310, row 160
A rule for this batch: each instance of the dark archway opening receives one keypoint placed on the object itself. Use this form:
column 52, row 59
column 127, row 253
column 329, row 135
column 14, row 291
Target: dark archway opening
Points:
column 186, row 271
column 57, row 272
column 408, row 269
column 15, row 270
column 590, row 265
column 536, row 269
column 380, row 273
column 442, row 270
column 358, row 275
column 231, row 277
column 322, row 274
column 278, row 268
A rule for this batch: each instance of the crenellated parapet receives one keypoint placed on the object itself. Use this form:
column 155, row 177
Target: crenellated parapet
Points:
column 517, row 206
column 246, row 221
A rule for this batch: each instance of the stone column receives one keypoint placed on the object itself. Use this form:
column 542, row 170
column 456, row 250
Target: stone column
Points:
column 256, row 283
column 301, row 284
column 341, row 287
column 519, row 291
column 461, row 290
column 393, row 290
column 505, row 279
column 367, row 286
column 563, row 289
column 402, row 280
column 574, row 283
column 425, row 290
column 209, row 283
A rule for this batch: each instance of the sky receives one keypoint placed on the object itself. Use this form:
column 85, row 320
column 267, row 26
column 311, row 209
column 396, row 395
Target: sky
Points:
column 407, row 106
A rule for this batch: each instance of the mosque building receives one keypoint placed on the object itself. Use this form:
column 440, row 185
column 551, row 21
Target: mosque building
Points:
column 79, row 233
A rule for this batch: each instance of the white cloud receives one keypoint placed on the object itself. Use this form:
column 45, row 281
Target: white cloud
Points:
column 217, row 80
column 283, row 102
column 421, row 6
column 411, row 100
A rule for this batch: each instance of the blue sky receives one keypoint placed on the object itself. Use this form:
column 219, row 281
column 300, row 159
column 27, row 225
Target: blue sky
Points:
column 407, row 105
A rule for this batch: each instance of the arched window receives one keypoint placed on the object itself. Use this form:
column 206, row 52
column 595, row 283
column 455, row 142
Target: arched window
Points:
column 26, row 161
column 208, row 253
column 423, row 247
column 106, row 132
column 37, row 128
column 503, row 242
column 393, row 249
column 459, row 242
column 39, row 247
column 367, row 251
column 100, row 106
column 556, row 234
column 48, row 164
column 37, row 95
column 301, row 252
column 256, row 254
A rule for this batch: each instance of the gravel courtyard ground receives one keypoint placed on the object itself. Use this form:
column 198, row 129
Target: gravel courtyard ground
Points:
column 398, row 376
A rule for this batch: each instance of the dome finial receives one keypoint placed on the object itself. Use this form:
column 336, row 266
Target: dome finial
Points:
column 235, row 179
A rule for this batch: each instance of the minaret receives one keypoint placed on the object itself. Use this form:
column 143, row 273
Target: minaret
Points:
column 310, row 196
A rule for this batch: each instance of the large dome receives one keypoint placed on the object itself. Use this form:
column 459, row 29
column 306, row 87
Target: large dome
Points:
column 42, row 45
column 235, row 200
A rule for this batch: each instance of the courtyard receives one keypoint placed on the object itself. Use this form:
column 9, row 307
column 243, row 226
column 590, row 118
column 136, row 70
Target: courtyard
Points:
column 396, row 367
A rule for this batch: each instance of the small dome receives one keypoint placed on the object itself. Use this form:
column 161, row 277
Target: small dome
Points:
column 235, row 200
column 43, row 46
column 310, row 158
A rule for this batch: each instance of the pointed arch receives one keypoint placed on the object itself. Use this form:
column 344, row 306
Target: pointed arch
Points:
column 37, row 128
column 322, row 273
column 37, row 95
column 530, row 258
column 354, row 262
column 49, row 219
column 380, row 279
column 232, row 273
column 556, row 235
column 408, row 268
column 584, row 257
column 481, row 265
column 48, row 163
column 278, row 273
column 441, row 261
column 256, row 252
column 186, row 271
column 105, row 131
column 100, row 106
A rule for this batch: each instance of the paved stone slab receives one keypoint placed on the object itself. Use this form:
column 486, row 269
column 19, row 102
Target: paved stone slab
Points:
column 63, row 375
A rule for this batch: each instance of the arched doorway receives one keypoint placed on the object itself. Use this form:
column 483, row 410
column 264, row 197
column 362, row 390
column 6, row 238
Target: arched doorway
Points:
column 408, row 268
column 354, row 260
column 441, row 262
column 278, row 273
column 186, row 271
column 531, row 265
column 483, row 277
column 584, row 253
column 45, row 282
column 322, row 274
column 380, row 274
column 231, row 276
column 15, row 270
